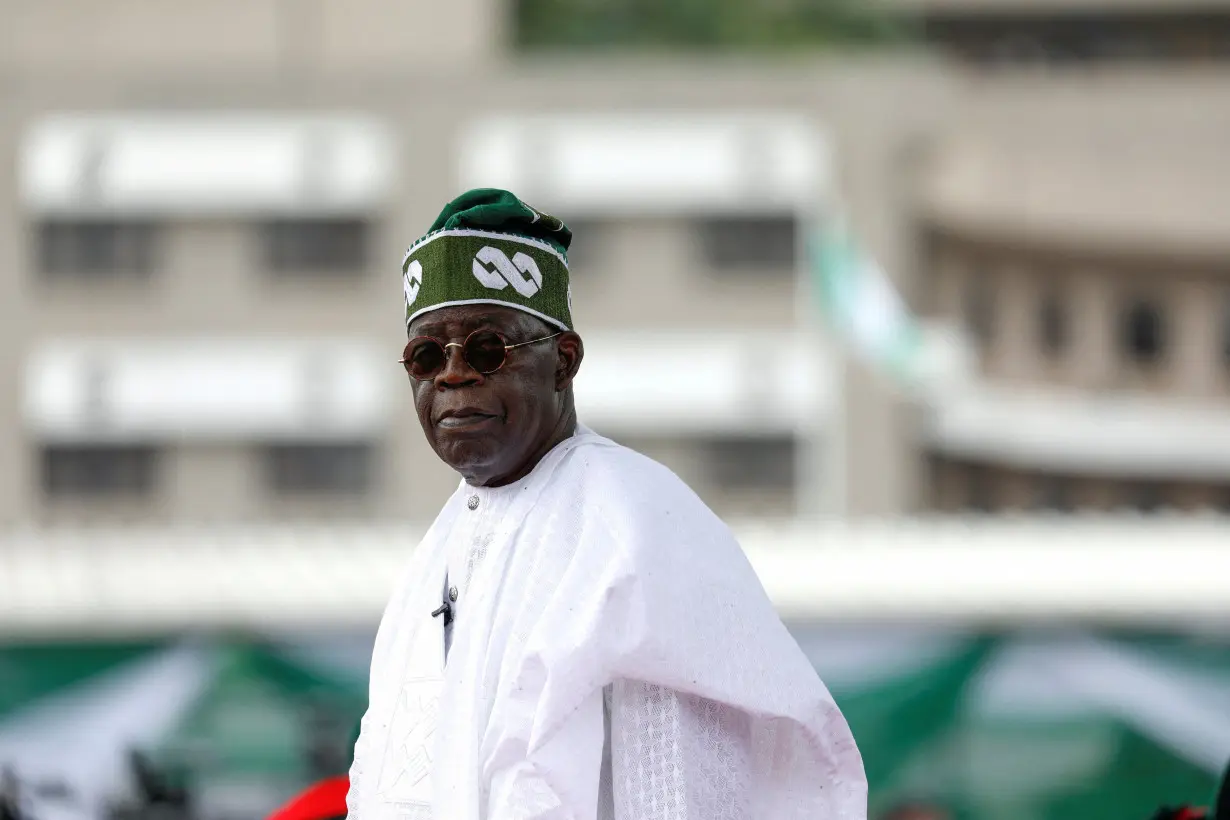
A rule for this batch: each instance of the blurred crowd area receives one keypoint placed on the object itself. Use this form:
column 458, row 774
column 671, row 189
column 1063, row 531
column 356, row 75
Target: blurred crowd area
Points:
column 930, row 298
column 953, row 723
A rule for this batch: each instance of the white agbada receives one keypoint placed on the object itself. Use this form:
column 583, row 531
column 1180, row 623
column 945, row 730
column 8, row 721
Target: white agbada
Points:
column 613, row 655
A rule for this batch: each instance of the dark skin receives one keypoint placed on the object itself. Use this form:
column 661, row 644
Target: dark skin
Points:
column 495, row 428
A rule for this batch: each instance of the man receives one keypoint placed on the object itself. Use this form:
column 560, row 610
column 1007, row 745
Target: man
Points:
column 1221, row 799
column 10, row 795
column 1219, row 808
column 577, row 636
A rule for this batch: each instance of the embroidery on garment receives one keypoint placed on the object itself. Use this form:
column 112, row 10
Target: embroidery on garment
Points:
column 405, row 776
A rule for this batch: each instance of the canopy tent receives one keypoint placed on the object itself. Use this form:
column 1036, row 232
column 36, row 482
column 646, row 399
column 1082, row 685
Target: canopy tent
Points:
column 235, row 717
column 32, row 670
column 256, row 714
column 1044, row 727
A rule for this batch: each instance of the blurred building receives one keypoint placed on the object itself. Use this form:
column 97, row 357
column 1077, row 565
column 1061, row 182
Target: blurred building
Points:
column 1074, row 222
column 207, row 203
column 1081, row 239
column 1074, row 33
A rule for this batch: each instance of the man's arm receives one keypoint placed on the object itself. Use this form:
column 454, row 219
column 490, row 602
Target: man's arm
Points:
column 555, row 778
column 356, row 776
column 678, row 757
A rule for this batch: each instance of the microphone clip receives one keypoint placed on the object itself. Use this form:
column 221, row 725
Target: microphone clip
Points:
column 446, row 609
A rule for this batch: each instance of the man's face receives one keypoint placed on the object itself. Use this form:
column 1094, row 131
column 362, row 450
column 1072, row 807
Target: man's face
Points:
column 488, row 427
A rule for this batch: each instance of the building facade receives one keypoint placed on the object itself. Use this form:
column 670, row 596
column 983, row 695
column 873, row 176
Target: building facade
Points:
column 204, row 210
column 1074, row 225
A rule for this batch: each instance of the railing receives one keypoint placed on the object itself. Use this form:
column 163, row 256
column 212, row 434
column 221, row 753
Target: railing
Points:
column 1128, row 570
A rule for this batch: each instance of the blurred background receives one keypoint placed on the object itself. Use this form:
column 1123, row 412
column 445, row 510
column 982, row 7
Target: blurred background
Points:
column 929, row 298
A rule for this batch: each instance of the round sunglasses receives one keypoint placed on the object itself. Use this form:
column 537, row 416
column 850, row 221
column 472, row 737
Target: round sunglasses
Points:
column 485, row 351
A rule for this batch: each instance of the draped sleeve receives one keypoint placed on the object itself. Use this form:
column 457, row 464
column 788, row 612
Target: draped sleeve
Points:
column 714, row 711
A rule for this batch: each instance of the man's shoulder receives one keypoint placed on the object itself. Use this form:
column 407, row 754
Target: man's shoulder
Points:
column 616, row 477
column 599, row 460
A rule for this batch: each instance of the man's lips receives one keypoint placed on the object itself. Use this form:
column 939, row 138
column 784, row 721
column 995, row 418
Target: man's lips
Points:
column 467, row 417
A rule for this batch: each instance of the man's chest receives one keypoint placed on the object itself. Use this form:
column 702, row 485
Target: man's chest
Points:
column 468, row 547
column 424, row 659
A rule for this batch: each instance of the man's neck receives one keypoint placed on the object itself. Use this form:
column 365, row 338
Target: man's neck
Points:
column 565, row 430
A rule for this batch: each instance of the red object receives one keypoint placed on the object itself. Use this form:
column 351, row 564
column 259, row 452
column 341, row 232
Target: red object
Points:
column 325, row 800
column 1181, row 813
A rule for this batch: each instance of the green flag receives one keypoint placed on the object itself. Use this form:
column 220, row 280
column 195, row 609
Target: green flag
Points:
column 860, row 303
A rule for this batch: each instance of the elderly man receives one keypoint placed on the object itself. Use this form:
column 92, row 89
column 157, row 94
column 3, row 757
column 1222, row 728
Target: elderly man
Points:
column 578, row 635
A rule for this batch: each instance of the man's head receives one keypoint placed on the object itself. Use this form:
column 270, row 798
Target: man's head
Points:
column 491, row 352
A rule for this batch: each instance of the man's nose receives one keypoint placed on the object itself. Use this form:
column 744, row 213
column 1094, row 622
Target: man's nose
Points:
column 456, row 371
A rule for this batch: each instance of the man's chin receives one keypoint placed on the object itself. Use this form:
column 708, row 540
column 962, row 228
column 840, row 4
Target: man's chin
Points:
column 469, row 457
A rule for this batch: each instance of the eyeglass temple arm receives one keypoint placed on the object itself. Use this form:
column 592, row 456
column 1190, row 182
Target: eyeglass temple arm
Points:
column 533, row 341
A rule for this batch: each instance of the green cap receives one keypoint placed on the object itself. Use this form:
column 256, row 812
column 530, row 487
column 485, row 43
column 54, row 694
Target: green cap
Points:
column 489, row 247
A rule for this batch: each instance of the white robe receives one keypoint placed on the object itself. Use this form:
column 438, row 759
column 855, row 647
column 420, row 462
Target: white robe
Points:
column 613, row 656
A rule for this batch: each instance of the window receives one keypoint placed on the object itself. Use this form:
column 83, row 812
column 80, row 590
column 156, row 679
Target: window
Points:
column 1144, row 332
column 319, row 468
column 752, row 463
column 1146, row 497
column 1126, row 46
column 741, row 242
column 1225, row 330
column 1053, row 325
column 1053, row 494
column 316, row 245
column 979, row 495
column 1078, row 37
column 96, row 470
column 95, row 248
column 1017, row 50
column 980, row 309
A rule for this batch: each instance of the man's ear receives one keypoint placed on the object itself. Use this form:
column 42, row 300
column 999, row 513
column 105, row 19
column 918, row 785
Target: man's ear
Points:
column 571, row 351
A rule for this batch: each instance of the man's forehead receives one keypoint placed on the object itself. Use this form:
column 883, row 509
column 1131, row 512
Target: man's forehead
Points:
column 463, row 319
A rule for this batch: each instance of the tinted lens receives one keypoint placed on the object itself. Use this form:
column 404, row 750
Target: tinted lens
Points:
column 424, row 358
column 484, row 351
